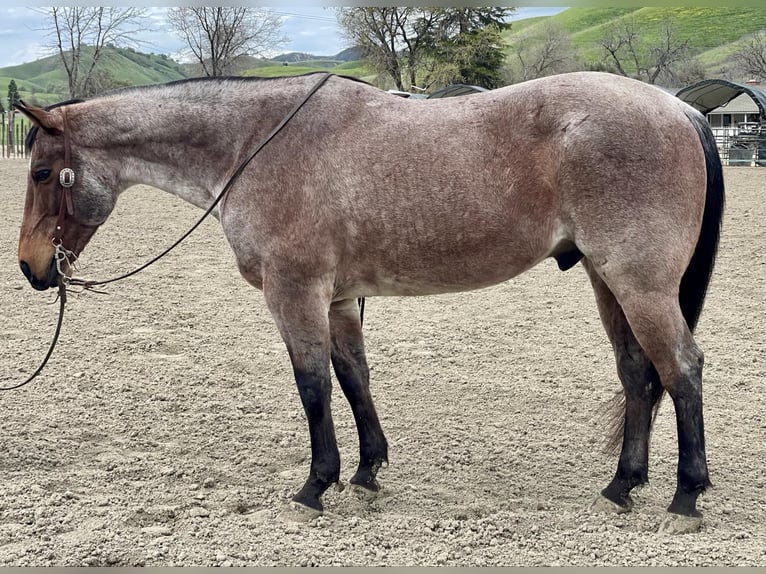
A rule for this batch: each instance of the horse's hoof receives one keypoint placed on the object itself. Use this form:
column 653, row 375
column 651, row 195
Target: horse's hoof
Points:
column 362, row 493
column 297, row 512
column 680, row 524
column 603, row 504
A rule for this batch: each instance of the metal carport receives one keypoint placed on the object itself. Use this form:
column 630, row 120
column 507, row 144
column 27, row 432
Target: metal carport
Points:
column 708, row 95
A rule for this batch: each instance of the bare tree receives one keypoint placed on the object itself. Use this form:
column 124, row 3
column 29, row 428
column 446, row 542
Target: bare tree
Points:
column 540, row 53
column 382, row 34
column 218, row 36
column 750, row 56
column 617, row 41
column 631, row 56
column 82, row 35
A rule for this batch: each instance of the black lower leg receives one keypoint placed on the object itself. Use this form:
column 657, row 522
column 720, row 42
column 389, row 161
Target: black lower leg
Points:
column 642, row 392
column 693, row 476
column 373, row 448
column 351, row 369
column 314, row 391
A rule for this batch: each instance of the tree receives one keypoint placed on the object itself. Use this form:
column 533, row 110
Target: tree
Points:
column 13, row 94
column 631, row 56
column 82, row 36
column 411, row 45
column 217, row 37
column 382, row 34
column 480, row 55
column 541, row 52
column 464, row 45
column 750, row 56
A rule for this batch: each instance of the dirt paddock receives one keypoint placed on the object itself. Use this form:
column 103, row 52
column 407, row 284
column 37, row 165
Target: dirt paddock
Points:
column 167, row 429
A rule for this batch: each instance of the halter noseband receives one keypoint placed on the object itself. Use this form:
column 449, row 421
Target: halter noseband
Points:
column 66, row 181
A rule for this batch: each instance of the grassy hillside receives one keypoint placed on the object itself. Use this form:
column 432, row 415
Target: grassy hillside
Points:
column 44, row 81
column 273, row 69
column 712, row 32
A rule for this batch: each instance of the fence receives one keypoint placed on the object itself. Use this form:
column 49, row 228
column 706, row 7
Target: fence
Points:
column 13, row 132
column 742, row 147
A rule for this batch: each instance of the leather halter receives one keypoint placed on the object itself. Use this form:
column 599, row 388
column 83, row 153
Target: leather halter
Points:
column 66, row 182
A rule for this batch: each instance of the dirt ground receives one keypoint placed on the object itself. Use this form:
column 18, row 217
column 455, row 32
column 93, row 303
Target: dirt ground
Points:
column 167, row 429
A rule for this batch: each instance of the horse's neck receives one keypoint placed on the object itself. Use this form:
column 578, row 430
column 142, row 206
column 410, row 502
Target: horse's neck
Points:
column 187, row 148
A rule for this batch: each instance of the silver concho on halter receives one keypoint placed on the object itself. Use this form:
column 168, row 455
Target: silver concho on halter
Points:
column 66, row 177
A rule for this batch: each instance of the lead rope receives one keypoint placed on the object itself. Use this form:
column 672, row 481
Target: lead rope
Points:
column 62, row 302
column 66, row 181
column 67, row 207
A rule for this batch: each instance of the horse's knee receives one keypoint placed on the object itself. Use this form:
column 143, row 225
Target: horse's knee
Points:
column 350, row 366
column 314, row 390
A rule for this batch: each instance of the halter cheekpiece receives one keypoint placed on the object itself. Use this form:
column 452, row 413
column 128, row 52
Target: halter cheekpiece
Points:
column 66, row 180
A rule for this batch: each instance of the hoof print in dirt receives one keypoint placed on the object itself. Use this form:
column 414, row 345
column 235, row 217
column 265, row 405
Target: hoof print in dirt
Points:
column 363, row 494
column 680, row 524
column 297, row 512
column 603, row 504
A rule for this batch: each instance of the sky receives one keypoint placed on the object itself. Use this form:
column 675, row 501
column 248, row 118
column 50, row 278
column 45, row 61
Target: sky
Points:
column 311, row 29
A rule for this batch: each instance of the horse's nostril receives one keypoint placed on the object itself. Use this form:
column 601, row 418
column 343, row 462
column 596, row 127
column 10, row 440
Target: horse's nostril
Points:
column 26, row 270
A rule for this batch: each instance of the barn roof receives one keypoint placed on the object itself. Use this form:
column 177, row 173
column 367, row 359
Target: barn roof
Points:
column 708, row 95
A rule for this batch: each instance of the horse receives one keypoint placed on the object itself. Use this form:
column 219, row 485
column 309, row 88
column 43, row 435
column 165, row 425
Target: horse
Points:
column 363, row 194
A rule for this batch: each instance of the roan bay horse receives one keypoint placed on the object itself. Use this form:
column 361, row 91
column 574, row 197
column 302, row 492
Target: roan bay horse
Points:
column 364, row 193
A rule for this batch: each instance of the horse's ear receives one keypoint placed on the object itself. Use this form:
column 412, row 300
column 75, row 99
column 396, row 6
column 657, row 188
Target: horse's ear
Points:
column 48, row 121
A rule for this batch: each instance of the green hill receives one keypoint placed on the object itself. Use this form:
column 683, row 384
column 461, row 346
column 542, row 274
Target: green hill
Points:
column 44, row 81
column 270, row 69
column 712, row 32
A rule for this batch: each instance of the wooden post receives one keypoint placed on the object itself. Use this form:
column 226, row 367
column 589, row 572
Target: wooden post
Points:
column 9, row 133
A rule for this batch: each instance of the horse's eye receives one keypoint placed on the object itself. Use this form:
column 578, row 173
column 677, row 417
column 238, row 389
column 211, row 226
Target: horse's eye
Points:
column 41, row 175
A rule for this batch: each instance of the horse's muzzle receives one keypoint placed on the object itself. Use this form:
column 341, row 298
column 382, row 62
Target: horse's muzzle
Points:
column 41, row 284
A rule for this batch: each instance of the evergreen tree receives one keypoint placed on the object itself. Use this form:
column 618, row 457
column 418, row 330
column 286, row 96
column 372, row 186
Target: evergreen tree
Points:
column 13, row 94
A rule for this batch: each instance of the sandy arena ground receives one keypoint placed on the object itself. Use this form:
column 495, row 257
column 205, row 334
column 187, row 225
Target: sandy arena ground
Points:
column 167, row 429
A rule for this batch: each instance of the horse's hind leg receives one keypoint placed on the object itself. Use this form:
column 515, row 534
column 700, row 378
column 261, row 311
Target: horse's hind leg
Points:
column 642, row 392
column 300, row 311
column 348, row 360
column 652, row 309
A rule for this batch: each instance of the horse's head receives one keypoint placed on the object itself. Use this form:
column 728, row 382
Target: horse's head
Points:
column 67, row 197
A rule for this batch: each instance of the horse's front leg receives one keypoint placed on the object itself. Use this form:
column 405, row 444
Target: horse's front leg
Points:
column 348, row 360
column 300, row 310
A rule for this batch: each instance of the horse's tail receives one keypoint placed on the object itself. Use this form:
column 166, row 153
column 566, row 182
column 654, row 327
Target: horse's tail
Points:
column 696, row 278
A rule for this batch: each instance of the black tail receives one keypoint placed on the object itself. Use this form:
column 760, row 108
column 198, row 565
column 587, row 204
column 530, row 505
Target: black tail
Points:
column 697, row 276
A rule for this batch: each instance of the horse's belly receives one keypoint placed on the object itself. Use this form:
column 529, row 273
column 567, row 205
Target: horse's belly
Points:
column 446, row 277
